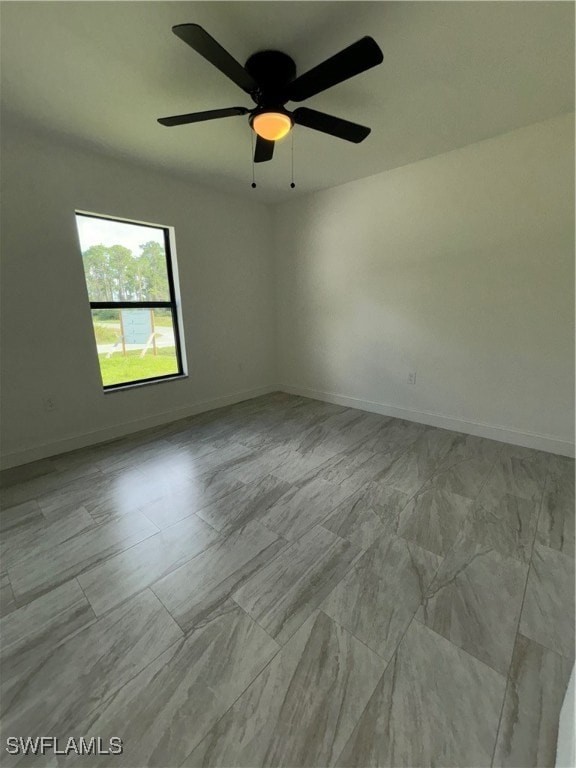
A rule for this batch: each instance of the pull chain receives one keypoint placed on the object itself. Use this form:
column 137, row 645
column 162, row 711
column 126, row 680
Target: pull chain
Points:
column 253, row 185
column 292, row 184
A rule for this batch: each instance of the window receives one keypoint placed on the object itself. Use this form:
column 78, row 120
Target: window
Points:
column 128, row 269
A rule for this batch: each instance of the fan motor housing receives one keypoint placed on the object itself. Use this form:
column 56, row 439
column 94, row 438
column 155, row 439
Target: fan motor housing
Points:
column 272, row 70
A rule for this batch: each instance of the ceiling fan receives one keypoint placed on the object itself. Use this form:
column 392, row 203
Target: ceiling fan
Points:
column 269, row 77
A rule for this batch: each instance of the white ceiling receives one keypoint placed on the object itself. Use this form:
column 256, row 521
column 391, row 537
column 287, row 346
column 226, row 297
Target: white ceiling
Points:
column 100, row 73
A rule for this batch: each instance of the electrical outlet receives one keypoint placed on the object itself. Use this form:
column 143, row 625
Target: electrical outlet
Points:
column 412, row 377
column 49, row 404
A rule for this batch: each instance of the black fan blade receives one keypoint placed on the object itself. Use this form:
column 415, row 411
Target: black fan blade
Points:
column 264, row 150
column 357, row 58
column 204, row 44
column 198, row 117
column 335, row 126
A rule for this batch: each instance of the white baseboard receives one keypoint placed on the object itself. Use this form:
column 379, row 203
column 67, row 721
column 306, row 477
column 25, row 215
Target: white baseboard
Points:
column 490, row 431
column 44, row 451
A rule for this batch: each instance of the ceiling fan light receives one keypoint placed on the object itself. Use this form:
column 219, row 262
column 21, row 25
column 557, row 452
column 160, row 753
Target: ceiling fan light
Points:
column 272, row 125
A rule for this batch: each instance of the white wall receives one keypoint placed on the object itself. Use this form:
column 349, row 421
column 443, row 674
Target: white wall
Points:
column 47, row 340
column 459, row 267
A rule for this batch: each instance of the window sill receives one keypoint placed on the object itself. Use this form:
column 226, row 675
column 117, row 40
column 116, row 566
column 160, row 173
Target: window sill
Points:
column 138, row 384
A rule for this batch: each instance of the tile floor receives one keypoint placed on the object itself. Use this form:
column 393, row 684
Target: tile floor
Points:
column 286, row 582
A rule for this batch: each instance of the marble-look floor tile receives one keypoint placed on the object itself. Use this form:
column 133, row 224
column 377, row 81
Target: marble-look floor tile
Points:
column 374, row 426
column 303, row 506
column 206, row 428
column 316, row 443
column 135, row 568
column 379, row 596
column 41, row 571
column 470, row 447
column 198, row 587
column 54, row 482
column 305, row 498
column 271, row 427
column 465, row 477
column 88, row 667
column 247, row 504
column 314, row 412
column 165, row 710
column 136, row 488
column 40, row 534
column 411, row 469
column 169, row 480
column 548, row 611
column 274, row 724
column 346, row 428
column 507, row 523
column 304, row 411
column 307, row 435
column 354, row 468
column 395, row 435
column 561, row 465
column 195, row 445
column 31, row 633
column 434, row 705
column 433, row 518
column 520, row 452
column 188, row 499
column 268, row 435
column 227, row 459
column 537, row 684
column 517, row 477
column 132, row 451
column 237, row 426
column 254, row 466
column 104, row 496
column 283, row 594
column 14, row 518
column 41, row 616
column 364, row 426
column 313, row 429
column 299, row 463
column 475, row 600
column 171, row 464
column 556, row 522
column 7, row 600
column 434, row 444
column 289, row 455
column 367, row 514
column 263, row 431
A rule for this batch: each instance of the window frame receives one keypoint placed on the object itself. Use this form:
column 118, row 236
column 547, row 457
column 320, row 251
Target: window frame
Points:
column 171, row 305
